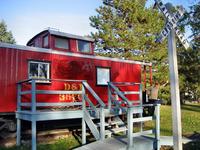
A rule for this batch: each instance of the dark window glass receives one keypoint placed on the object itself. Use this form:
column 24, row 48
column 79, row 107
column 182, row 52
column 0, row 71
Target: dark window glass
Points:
column 61, row 43
column 83, row 46
column 45, row 41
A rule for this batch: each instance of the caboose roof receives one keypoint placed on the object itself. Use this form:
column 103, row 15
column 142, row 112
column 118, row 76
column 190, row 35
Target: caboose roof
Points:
column 68, row 35
column 51, row 51
column 62, row 34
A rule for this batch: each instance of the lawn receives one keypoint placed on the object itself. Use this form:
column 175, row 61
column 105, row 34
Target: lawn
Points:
column 190, row 125
column 190, row 119
column 61, row 144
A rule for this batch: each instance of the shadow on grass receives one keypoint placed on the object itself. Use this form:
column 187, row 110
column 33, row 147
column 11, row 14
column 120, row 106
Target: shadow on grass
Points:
column 194, row 144
column 190, row 107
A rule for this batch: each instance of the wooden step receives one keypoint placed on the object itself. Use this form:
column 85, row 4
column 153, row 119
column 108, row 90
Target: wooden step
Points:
column 142, row 119
column 115, row 122
column 142, row 133
column 109, row 132
column 98, row 124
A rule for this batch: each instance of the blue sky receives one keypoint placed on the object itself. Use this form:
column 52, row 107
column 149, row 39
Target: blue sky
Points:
column 25, row 18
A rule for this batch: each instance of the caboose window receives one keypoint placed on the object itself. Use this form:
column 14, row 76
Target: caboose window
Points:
column 103, row 75
column 39, row 70
column 84, row 46
column 61, row 43
column 45, row 41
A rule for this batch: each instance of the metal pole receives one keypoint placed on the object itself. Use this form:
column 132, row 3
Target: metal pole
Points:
column 175, row 94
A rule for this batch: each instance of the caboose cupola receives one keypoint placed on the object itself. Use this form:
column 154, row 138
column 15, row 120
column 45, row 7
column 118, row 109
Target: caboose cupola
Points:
column 57, row 40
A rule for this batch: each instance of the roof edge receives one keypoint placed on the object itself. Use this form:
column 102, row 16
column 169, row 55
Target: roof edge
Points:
column 62, row 34
column 45, row 50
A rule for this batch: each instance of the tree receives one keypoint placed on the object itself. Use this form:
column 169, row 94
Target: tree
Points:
column 127, row 26
column 189, row 60
column 194, row 22
column 129, row 29
column 189, row 71
column 6, row 36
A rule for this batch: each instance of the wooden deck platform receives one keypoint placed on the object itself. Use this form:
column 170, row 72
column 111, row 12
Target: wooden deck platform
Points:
column 120, row 143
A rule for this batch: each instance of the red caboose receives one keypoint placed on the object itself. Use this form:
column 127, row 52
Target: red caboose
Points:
column 57, row 55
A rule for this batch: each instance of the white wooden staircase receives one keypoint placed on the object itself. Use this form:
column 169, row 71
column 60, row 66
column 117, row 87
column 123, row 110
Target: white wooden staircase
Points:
column 104, row 121
column 110, row 122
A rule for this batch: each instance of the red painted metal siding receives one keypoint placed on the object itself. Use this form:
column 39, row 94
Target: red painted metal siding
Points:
column 14, row 67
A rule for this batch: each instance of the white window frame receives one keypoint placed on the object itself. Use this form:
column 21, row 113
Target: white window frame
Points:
column 103, row 75
column 90, row 48
column 37, row 77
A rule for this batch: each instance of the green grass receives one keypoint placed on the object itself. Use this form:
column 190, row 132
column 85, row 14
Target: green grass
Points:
column 61, row 144
column 190, row 119
column 190, row 124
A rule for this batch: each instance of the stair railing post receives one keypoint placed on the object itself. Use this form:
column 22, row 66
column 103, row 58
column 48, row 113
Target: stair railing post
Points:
column 19, row 88
column 34, row 133
column 141, row 105
column 33, row 110
column 33, row 95
column 157, row 128
column 109, row 97
column 130, row 127
column 102, row 123
column 83, row 117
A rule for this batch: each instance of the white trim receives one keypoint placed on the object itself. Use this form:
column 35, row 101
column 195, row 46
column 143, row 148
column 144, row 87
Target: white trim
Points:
column 51, row 51
column 99, row 75
column 39, row 62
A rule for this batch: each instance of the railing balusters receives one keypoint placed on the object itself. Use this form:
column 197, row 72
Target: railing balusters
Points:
column 131, row 111
column 101, row 112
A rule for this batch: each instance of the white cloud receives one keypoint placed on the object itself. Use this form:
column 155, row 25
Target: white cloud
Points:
column 24, row 27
